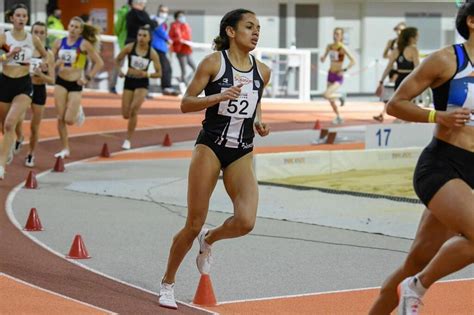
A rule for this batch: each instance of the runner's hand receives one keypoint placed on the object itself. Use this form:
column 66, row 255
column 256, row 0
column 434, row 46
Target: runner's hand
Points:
column 262, row 129
column 454, row 119
column 232, row 93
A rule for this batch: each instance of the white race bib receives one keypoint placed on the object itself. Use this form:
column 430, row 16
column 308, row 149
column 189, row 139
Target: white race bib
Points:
column 334, row 55
column 22, row 57
column 68, row 55
column 35, row 63
column 243, row 107
column 139, row 63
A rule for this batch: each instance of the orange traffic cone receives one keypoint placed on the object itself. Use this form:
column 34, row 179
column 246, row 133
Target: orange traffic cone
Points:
column 105, row 151
column 59, row 165
column 317, row 125
column 78, row 249
column 31, row 182
column 167, row 141
column 33, row 224
column 205, row 294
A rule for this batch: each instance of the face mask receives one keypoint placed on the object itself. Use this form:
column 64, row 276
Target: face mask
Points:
column 163, row 15
column 182, row 19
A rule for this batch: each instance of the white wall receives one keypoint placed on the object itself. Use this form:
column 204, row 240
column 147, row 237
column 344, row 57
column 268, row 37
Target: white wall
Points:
column 378, row 20
column 370, row 23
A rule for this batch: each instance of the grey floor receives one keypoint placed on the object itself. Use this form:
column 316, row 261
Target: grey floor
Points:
column 127, row 228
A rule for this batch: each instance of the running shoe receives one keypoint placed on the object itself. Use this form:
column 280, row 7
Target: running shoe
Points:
column 126, row 145
column 81, row 117
column 409, row 301
column 166, row 298
column 337, row 121
column 378, row 118
column 18, row 144
column 64, row 153
column 204, row 258
column 342, row 99
column 30, row 160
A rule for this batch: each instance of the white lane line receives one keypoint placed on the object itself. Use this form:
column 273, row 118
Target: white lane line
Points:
column 11, row 216
column 55, row 293
column 324, row 293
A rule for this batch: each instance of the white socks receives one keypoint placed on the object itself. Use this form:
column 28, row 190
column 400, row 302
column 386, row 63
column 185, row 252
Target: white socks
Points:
column 416, row 285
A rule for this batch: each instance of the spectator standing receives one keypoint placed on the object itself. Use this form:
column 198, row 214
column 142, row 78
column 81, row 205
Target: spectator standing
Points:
column 160, row 43
column 180, row 34
column 54, row 23
column 120, row 30
column 136, row 18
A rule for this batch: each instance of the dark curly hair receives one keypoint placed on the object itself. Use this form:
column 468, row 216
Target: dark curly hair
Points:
column 464, row 11
column 231, row 19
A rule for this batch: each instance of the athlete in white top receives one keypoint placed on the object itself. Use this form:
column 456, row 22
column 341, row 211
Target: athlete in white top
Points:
column 16, row 89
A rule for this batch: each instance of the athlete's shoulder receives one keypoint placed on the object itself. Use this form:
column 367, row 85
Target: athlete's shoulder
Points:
column 128, row 47
column 443, row 55
column 213, row 57
column 212, row 61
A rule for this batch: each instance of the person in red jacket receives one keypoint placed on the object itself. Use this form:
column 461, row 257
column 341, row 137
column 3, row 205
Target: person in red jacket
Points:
column 180, row 34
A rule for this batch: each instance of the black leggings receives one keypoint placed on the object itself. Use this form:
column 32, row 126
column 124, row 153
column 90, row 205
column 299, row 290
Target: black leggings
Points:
column 165, row 71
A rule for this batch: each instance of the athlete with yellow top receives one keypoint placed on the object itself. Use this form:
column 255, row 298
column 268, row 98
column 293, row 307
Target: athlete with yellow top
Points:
column 71, row 54
column 336, row 52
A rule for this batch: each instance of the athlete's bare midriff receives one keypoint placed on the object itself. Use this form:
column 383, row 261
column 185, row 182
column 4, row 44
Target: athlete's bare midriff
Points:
column 462, row 137
column 16, row 71
column 70, row 74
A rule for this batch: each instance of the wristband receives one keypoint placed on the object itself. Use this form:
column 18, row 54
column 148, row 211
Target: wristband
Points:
column 432, row 116
column 345, row 69
column 4, row 57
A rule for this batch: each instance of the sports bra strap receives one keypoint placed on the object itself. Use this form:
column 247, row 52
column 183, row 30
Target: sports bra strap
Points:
column 461, row 57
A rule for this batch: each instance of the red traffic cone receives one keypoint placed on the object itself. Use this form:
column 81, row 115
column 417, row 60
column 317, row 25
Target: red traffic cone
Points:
column 167, row 141
column 317, row 125
column 205, row 294
column 59, row 165
column 31, row 182
column 33, row 224
column 78, row 249
column 331, row 137
column 105, row 151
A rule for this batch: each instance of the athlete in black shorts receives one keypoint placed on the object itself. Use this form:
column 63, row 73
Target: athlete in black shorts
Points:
column 444, row 175
column 16, row 89
column 233, row 81
column 140, row 55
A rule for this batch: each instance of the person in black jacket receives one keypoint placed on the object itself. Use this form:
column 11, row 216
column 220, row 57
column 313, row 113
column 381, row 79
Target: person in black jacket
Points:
column 136, row 18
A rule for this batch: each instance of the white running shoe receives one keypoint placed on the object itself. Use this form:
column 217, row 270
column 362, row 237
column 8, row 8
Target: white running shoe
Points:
column 126, row 145
column 64, row 153
column 167, row 299
column 409, row 301
column 337, row 121
column 81, row 117
column 30, row 160
column 2, row 172
column 182, row 87
column 18, row 144
column 204, row 258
